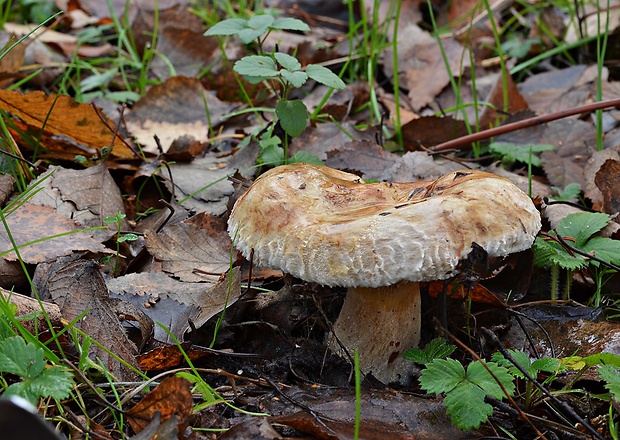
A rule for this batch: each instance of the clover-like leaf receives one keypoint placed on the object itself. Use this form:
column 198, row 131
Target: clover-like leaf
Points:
column 289, row 24
column 324, row 76
column 230, row 26
column 293, row 115
column 287, row 61
column 305, row 157
column 604, row 248
column 297, row 79
column 256, row 66
column 611, row 375
column 17, row 357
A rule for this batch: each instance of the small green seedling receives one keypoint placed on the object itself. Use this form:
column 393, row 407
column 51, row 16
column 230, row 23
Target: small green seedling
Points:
column 545, row 365
column 465, row 389
column 511, row 153
column 281, row 73
column 120, row 237
column 570, row 192
column 436, row 349
column 578, row 230
column 38, row 379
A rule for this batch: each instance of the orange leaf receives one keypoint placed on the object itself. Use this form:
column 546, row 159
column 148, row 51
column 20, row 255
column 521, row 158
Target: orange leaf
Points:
column 172, row 396
column 62, row 117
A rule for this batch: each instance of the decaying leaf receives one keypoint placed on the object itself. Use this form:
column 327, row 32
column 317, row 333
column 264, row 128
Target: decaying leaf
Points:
column 87, row 196
column 194, row 250
column 78, row 287
column 608, row 181
column 171, row 397
column 179, row 106
column 68, row 127
column 32, row 226
column 173, row 303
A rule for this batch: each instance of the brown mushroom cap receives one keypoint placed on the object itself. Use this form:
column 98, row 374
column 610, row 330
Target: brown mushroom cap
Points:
column 326, row 226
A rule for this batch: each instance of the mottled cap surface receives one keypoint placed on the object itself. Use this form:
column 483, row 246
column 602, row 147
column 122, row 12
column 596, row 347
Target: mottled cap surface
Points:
column 327, row 226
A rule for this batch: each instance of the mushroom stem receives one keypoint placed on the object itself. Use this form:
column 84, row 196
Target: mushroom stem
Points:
column 381, row 323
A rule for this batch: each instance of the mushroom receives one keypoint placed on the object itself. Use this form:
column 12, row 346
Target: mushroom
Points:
column 378, row 240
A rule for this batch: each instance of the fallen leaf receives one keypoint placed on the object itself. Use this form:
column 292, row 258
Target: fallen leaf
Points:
column 171, row 397
column 422, row 64
column 254, row 428
column 194, row 250
column 79, row 288
column 87, row 196
column 174, row 303
column 608, row 181
column 68, row 127
column 428, row 131
column 179, row 106
column 180, row 41
column 34, row 225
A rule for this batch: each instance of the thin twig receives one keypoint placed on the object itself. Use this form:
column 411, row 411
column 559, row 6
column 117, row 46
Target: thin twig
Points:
column 462, row 142
column 563, row 405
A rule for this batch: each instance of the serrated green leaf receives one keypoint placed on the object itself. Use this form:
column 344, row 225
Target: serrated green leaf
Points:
column 582, row 225
column 570, row 191
column 297, row 79
column 290, row 63
column 548, row 253
column 547, row 364
column 466, row 406
column 521, row 358
column 324, row 76
column 438, row 348
column 293, row 115
column 256, row 66
column 604, row 248
column 520, row 153
column 441, row 376
column 305, row 157
column 17, row 357
column 289, row 24
column 478, row 374
column 55, row 382
column 231, row 26
column 611, row 375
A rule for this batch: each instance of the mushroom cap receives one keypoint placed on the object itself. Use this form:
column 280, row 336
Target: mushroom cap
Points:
column 327, row 226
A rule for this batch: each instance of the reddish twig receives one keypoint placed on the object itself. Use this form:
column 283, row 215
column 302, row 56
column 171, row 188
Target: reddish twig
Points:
column 462, row 142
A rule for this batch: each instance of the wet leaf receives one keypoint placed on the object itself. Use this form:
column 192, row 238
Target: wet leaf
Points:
column 171, row 397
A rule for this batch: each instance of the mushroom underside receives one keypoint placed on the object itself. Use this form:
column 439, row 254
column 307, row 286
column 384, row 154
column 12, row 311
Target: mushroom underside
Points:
column 380, row 323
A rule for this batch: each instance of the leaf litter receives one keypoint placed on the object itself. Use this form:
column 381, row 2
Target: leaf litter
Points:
column 182, row 141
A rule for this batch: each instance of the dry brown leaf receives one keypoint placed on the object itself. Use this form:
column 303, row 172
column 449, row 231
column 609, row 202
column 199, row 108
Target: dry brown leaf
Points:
column 420, row 58
column 171, row 397
column 30, row 223
column 608, row 181
column 6, row 187
column 194, row 250
column 203, row 184
column 180, row 41
column 366, row 158
column 78, row 287
column 178, row 107
column 87, row 196
column 429, row 131
column 173, row 303
column 69, row 128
